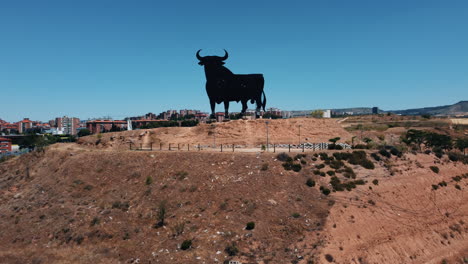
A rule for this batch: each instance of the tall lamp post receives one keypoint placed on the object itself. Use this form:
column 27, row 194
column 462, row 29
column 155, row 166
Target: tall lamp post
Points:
column 268, row 144
column 300, row 135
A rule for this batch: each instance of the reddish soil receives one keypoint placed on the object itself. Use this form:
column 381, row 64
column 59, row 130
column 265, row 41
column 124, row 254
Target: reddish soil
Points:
column 247, row 133
column 99, row 203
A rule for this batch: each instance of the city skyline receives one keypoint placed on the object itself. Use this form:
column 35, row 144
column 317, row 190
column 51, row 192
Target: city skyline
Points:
column 113, row 58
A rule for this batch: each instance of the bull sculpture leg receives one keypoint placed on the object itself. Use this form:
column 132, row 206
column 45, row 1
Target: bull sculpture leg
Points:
column 244, row 107
column 213, row 104
column 259, row 105
column 226, row 108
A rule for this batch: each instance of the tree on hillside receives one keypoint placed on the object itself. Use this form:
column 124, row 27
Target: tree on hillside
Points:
column 438, row 140
column 414, row 136
column 84, row 132
column 317, row 113
column 461, row 144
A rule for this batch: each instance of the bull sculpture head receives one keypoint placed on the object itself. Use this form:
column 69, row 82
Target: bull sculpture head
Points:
column 211, row 60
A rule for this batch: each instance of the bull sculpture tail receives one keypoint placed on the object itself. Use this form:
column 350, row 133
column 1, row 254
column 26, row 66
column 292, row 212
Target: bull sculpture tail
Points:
column 264, row 101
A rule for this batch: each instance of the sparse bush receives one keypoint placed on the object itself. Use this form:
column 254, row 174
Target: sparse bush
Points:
column 427, row 151
column 264, row 167
column 287, row 165
column 322, row 174
column 296, row 215
column 457, row 178
column 320, row 166
column 296, row 167
column 367, row 164
column 435, row 187
column 360, row 146
column 371, row 202
column 181, row 175
column 250, row 226
column 310, row 182
column 149, row 180
column 303, row 162
column 375, row 156
column 231, row 250
column 434, row 169
column 325, row 190
column 385, row 153
column 161, row 216
column 186, row 244
column 348, row 172
column 178, row 228
column 329, row 257
column 282, row 156
column 394, row 151
column 375, row 182
column 121, row 205
column 342, row 155
column 88, row 187
column 331, row 173
column 336, row 164
column 454, row 156
column 457, row 186
column 442, row 184
column 95, row 221
column 299, row 156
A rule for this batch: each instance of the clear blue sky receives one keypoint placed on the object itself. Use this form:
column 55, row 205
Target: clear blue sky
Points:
column 121, row 58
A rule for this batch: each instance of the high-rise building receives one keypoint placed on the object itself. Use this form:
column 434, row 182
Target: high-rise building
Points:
column 68, row 125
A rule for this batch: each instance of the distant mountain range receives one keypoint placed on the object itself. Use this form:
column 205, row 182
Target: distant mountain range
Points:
column 460, row 108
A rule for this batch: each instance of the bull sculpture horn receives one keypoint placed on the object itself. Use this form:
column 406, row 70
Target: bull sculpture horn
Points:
column 225, row 55
column 198, row 55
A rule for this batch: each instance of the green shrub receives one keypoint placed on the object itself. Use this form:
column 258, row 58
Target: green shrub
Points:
column 250, row 226
column 360, row 146
column 442, row 184
column 303, row 162
column 95, row 221
column 349, row 173
column 435, row 187
column 367, row 164
column 453, row 156
column 231, row 250
column 186, row 244
column 322, row 174
column 264, row 167
column 342, row 155
column 395, row 152
column 336, row 164
column 457, row 178
column 375, row 182
column 457, row 187
column 296, row 167
column 385, row 153
column 149, row 180
column 299, row 156
column 310, row 182
column 316, row 172
column 375, row 156
column 287, row 165
column 325, row 190
column 434, row 169
column 296, row 215
column 282, row 156
column 329, row 257
column 320, row 166
column 331, row 173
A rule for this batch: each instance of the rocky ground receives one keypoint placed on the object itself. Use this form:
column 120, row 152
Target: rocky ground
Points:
column 88, row 203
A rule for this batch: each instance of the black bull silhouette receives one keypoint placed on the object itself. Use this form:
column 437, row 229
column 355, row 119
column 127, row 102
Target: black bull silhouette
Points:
column 224, row 86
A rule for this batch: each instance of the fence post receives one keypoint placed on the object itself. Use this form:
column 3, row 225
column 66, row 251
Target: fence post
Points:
column 151, row 146
column 303, row 147
column 160, row 146
column 274, row 148
column 232, row 147
column 130, row 145
column 221, row 147
column 199, row 147
column 178, row 146
column 141, row 146
column 169, row 146
column 289, row 147
column 188, row 147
